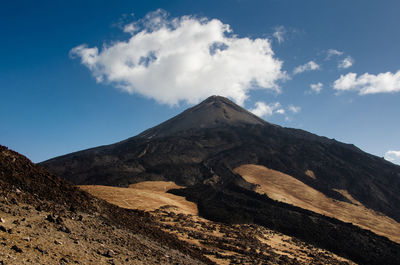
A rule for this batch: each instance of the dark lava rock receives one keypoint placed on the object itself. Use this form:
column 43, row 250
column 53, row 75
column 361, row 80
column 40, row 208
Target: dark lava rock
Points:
column 14, row 201
column 63, row 261
column 64, row 229
column 50, row 218
column 41, row 250
column 109, row 253
column 59, row 220
column 16, row 249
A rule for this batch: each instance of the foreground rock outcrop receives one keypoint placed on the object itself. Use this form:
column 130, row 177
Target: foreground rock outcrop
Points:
column 47, row 220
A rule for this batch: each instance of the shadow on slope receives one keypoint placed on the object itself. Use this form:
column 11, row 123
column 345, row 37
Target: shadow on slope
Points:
column 285, row 188
column 234, row 204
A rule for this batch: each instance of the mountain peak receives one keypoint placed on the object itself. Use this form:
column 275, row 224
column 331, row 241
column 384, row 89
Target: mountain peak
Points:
column 216, row 98
column 215, row 111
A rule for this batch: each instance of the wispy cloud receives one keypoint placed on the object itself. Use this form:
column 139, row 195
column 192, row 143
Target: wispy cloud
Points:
column 131, row 28
column 280, row 111
column 369, row 83
column 346, row 63
column 310, row 66
column 184, row 59
column 280, row 34
column 332, row 52
column 315, row 88
column 294, row 109
column 393, row 156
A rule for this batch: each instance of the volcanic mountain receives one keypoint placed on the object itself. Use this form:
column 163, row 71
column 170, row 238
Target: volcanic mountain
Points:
column 239, row 168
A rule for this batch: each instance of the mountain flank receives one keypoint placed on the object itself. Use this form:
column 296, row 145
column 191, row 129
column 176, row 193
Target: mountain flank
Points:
column 146, row 195
column 220, row 242
column 47, row 220
column 201, row 147
column 74, row 227
column 285, row 188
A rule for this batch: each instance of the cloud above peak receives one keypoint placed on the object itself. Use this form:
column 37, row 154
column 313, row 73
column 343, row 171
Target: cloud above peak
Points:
column 184, row 59
column 393, row 156
column 263, row 109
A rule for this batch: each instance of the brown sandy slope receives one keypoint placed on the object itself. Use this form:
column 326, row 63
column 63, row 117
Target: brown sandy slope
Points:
column 285, row 188
column 222, row 243
column 88, row 240
column 47, row 220
column 147, row 195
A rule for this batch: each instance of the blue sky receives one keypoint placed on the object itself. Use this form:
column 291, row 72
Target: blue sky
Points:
column 59, row 94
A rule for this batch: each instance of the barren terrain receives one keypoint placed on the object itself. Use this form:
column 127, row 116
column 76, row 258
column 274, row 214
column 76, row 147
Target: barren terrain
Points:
column 46, row 220
column 34, row 236
column 222, row 243
column 147, row 195
column 285, row 188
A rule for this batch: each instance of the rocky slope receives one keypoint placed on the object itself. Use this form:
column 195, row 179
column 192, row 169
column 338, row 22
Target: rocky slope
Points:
column 219, row 135
column 200, row 148
column 222, row 243
column 46, row 220
column 284, row 188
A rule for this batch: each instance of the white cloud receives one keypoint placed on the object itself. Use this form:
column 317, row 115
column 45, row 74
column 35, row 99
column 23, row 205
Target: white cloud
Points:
column 369, row 83
column 184, row 59
column 316, row 88
column 263, row 109
column 393, row 156
column 310, row 66
column 346, row 63
column 130, row 28
column 294, row 109
column 332, row 52
column 280, row 111
column 279, row 34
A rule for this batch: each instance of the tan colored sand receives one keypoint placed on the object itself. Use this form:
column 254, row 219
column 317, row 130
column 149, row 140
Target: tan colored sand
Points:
column 180, row 218
column 310, row 173
column 285, row 188
column 147, row 195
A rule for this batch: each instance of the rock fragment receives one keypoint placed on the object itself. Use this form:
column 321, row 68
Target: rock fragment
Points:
column 16, row 249
column 50, row 218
